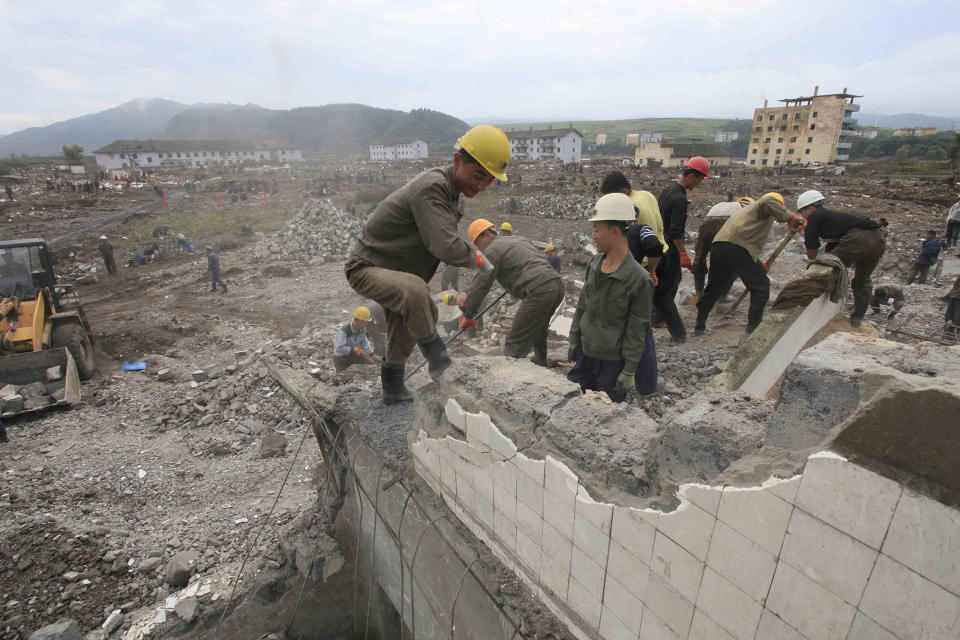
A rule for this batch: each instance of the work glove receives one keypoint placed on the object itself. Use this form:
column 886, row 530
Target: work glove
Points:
column 625, row 382
column 358, row 351
column 573, row 352
column 467, row 323
column 797, row 223
column 449, row 299
column 483, row 264
column 766, row 267
column 685, row 261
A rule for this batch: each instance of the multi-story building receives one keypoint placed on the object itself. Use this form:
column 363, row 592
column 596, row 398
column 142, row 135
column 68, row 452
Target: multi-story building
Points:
column 810, row 130
column 915, row 131
column 632, row 138
column 675, row 154
column 725, row 136
column 564, row 144
column 396, row 150
column 145, row 154
column 601, row 139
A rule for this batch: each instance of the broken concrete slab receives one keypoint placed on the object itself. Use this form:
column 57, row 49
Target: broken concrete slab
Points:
column 62, row 630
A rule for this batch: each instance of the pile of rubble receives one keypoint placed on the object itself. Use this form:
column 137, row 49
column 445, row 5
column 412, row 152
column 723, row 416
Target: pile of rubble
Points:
column 320, row 233
column 36, row 395
column 570, row 207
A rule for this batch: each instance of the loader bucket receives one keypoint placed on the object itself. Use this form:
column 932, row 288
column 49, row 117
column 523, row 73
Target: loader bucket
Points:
column 23, row 370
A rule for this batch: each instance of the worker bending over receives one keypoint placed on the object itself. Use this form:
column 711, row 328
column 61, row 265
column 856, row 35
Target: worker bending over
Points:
column 525, row 274
column 716, row 217
column 735, row 252
column 403, row 242
column 888, row 295
column 856, row 240
column 673, row 209
column 552, row 257
column 611, row 343
column 353, row 346
column 506, row 229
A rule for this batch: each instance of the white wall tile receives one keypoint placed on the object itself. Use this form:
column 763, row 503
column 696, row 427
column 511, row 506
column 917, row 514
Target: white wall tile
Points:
column 827, row 556
column 866, row 629
column 478, row 430
column 729, row 607
column 668, row 605
column 459, row 447
column 483, row 511
column 587, row 572
column 479, row 455
column 855, row 500
column 611, row 628
column 530, row 467
column 633, row 529
column 591, row 540
column 626, row 606
column 483, row 483
column 653, row 628
column 528, row 550
column 530, row 493
column 600, row 514
column 741, row 561
column 703, row 628
column 506, row 530
column 690, row 527
column 784, row 489
column 553, row 576
column 505, row 474
column 680, row 568
column 807, row 606
column 908, row 604
column 704, row 496
column 501, row 446
column 925, row 536
column 757, row 514
column 773, row 628
column 628, row 569
column 559, row 479
column 582, row 601
column 529, row 522
column 556, row 546
column 505, row 501
column 558, row 511
column 455, row 414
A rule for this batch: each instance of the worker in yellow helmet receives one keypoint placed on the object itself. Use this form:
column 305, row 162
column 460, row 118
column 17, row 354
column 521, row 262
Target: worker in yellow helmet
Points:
column 525, row 273
column 506, row 229
column 709, row 228
column 352, row 345
column 552, row 257
column 405, row 239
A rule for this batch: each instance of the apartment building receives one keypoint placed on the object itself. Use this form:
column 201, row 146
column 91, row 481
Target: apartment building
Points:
column 145, row 154
column 396, row 150
column 564, row 144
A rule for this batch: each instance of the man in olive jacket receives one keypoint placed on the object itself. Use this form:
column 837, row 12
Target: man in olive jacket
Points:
column 611, row 343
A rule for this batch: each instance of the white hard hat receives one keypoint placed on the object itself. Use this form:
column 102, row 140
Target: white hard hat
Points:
column 103, row 237
column 614, row 207
column 809, row 197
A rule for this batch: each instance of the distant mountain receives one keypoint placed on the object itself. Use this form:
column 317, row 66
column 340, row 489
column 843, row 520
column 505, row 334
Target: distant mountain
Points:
column 131, row 120
column 344, row 128
column 899, row 120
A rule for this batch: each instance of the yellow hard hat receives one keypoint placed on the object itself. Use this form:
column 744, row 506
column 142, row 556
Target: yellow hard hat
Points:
column 746, row 199
column 478, row 226
column 362, row 313
column 506, row 226
column 549, row 247
column 776, row 196
column 490, row 147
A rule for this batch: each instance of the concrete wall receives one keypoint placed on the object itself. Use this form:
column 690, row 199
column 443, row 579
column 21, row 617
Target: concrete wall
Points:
column 836, row 552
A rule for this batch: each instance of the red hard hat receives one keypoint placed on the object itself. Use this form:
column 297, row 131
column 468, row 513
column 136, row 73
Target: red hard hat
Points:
column 699, row 163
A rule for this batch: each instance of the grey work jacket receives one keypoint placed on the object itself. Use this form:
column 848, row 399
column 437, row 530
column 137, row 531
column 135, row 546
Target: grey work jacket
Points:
column 517, row 266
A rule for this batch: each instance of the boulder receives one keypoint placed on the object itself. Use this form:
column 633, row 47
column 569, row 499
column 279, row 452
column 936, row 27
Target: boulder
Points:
column 181, row 566
column 63, row 630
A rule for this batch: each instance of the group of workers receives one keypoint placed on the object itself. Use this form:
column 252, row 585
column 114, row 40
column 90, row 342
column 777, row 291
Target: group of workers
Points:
column 629, row 285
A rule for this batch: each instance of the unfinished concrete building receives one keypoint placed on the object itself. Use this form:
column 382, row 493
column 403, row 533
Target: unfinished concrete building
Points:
column 809, row 130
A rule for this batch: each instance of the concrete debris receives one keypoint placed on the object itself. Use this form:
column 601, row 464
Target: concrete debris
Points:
column 63, row 630
column 187, row 608
column 113, row 622
column 180, row 568
column 320, row 233
column 572, row 207
column 273, row 444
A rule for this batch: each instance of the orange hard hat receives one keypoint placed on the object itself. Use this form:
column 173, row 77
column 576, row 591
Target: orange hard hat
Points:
column 699, row 163
column 478, row 226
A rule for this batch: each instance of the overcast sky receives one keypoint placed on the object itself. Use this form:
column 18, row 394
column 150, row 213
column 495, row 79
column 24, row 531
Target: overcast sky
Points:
column 570, row 59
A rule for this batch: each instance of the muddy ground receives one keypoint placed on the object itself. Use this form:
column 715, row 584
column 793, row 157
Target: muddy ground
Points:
column 96, row 502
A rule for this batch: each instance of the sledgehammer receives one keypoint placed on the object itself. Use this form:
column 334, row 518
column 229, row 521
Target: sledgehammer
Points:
column 769, row 262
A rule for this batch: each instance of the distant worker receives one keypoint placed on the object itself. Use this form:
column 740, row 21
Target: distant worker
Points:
column 884, row 227
column 525, row 273
column 353, row 346
column 890, row 296
column 951, row 318
column 716, row 217
column 929, row 252
column 953, row 223
column 856, row 240
column 9, row 192
column 735, row 252
column 213, row 268
column 506, row 229
column 14, row 269
column 611, row 343
column 673, row 209
column 106, row 252
column 450, row 277
column 552, row 257
column 403, row 242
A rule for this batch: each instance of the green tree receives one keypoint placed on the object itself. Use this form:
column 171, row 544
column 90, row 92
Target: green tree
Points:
column 73, row 154
column 936, row 152
column 903, row 154
column 954, row 154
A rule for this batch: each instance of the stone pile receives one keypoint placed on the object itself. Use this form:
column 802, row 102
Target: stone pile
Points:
column 36, row 395
column 320, row 233
column 570, row 207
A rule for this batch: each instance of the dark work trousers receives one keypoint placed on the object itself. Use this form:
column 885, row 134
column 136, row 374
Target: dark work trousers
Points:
column 861, row 249
column 705, row 235
column 532, row 320
column 110, row 264
column 215, row 280
column 727, row 262
column 601, row 375
column 919, row 273
column 669, row 274
column 953, row 232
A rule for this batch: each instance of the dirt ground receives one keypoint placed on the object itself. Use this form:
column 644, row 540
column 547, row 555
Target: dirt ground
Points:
column 96, row 502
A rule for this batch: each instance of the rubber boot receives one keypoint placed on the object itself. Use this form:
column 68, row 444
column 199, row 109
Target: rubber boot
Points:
column 859, row 310
column 391, row 378
column 699, row 282
column 435, row 352
column 213, row 287
column 539, row 355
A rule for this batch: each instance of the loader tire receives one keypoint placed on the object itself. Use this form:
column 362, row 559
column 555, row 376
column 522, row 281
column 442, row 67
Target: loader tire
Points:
column 76, row 340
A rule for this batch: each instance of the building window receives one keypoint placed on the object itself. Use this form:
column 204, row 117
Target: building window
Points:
column 759, row 129
column 772, row 116
column 769, row 128
column 793, row 139
column 753, row 162
column 812, row 127
column 784, row 116
column 766, row 140
column 810, row 139
column 764, row 161
column 754, row 152
column 796, row 127
column 814, row 114
column 766, row 151
column 796, row 116
column 776, row 162
column 790, row 152
column 149, row 159
column 807, row 152
column 779, row 139
column 122, row 156
column 778, row 151
column 755, row 140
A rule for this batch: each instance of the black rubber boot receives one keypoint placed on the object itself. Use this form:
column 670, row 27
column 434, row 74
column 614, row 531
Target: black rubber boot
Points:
column 539, row 355
column 391, row 378
column 435, row 352
column 699, row 282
